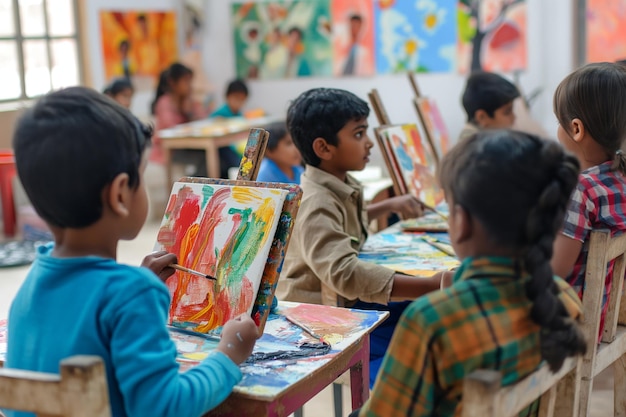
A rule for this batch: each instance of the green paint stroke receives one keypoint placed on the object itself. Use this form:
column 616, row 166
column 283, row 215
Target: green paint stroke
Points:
column 207, row 193
column 243, row 248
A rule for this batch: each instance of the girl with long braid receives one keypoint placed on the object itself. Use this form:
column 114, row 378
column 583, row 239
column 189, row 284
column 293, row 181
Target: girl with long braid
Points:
column 590, row 105
column 505, row 310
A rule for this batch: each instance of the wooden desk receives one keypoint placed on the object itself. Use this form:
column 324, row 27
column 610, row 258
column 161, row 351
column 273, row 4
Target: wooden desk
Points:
column 208, row 135
column 277, row 388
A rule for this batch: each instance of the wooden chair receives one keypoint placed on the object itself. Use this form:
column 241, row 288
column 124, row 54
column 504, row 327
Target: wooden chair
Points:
column 612, row 350
column 80, row 390
column 484, row 396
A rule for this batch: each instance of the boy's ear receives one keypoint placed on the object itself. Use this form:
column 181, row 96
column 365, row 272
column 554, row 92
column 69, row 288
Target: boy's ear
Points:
column 322, row 149
column 462, row 224
column 482, row 118
column 577, row 130
column 118, row 195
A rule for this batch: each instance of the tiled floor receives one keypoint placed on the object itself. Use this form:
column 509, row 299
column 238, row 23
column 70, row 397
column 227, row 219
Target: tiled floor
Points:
column 322, row 405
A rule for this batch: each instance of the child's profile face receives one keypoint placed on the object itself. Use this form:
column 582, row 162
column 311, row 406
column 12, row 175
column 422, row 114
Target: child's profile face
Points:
column 353, row 148
column 285, row 154
column 235, row 101
column 124, row 98
column 503, row 118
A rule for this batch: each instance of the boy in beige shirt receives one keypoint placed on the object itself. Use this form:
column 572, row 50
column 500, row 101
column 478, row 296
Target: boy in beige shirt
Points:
column 329, row 127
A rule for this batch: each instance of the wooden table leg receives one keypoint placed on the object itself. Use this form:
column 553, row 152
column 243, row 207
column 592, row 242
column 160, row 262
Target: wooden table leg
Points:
column 212, row 161
column 168, row 167
column 360, row 376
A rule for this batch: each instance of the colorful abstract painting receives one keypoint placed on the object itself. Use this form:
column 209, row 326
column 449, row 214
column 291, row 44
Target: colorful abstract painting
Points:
column 223, row 231
column 415, row 160
column 606, row 30
column 408, row 253
column 434, row 124
column 353, row 37
column 277, row 361
column 415, row 35
column 430, row 222
column 138, row 44
column 282, row 39
column 492, row 35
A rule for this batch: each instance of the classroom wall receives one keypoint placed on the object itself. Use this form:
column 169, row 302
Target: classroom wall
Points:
column 550, row 45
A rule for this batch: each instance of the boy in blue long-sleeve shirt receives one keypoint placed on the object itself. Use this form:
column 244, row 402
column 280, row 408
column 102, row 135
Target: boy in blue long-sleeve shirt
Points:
column 81, row 159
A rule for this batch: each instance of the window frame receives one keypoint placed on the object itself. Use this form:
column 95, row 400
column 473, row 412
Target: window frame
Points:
column 19, row 40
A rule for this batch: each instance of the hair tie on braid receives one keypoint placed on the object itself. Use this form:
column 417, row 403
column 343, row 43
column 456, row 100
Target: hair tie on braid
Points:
column 619, row 162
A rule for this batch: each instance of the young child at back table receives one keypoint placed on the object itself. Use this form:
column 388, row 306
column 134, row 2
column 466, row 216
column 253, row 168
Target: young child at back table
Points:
column 282, row 162
column 505, row 310
column 236, row 96
column 81, row 159
column 488, row 102
column 590, row 105
column 329, row 127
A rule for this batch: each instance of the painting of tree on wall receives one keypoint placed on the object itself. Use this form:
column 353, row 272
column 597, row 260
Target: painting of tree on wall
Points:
column 492, row 35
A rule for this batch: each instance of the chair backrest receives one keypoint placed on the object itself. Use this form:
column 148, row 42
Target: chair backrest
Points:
column 484, row 396
column 602, row 250
column 79, row 391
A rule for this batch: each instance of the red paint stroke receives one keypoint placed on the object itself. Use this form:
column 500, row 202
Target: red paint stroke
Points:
column 507, row 35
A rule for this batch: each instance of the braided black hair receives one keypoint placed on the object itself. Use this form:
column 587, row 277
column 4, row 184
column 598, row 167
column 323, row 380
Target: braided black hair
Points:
column 518, row 186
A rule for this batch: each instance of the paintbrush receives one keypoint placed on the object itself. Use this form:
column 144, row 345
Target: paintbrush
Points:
column 434, row 210
column 191, row 271
column 305, row 328
column 439, row 246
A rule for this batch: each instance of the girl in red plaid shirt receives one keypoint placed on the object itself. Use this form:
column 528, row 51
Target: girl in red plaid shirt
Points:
column 590, row 105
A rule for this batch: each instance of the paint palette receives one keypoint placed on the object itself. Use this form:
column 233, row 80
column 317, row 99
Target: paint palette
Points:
column 228, row 230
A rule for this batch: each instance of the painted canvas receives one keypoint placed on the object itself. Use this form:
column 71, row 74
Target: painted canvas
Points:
column 415, row 160
column 282, row 39
column 353, row 37
column 407, row 253
column 606, row 30
column 138, row 44
column 226, row 232
column 434, row 124
column 492, row 35
column 415, row 35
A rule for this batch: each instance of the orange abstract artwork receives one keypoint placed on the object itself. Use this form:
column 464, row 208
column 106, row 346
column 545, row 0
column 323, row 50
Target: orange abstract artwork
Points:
column 606, row 30
column 138, row 44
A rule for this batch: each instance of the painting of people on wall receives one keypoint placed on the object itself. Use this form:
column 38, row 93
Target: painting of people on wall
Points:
column 138, row 45
column 415, row 35
column 492, row 35
column 353, row 37
column 282, row 39
column 606, row 30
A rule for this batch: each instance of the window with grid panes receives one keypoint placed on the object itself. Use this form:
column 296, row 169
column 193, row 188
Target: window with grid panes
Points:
column 38, row 47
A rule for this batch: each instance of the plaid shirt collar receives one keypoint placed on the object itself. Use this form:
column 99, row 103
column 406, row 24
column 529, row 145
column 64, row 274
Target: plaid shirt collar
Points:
column 491, row 267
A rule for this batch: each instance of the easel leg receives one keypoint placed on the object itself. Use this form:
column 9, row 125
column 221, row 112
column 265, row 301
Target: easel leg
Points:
column 168, row 167
column 359, row 376
column 212, row 161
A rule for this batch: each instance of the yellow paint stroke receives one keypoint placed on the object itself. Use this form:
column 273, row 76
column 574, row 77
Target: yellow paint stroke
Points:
column 196, row 356
column 246, row 166
column 410, row 46
column 246, row 195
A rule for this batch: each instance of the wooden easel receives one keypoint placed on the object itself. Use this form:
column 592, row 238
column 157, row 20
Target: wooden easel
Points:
column 422, row 117
column 248, row 170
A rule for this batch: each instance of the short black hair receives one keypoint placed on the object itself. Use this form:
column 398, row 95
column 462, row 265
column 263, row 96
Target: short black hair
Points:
column 117, row 86
column 277, row 131
column 69, row 146
column 236, row 86
column 322, row 113
column 356, row 17
column 487, row 91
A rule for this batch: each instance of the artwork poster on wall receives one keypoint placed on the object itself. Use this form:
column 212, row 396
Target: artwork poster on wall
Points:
column 138, row 44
